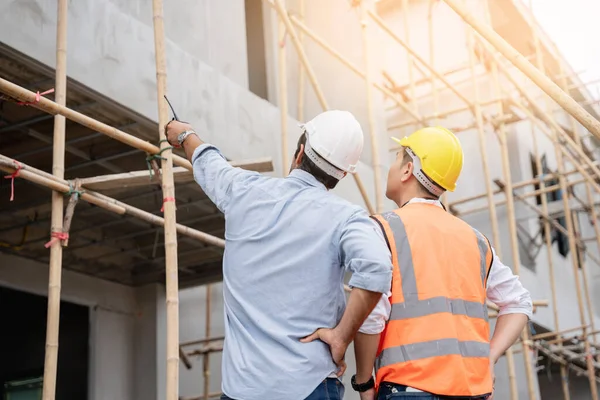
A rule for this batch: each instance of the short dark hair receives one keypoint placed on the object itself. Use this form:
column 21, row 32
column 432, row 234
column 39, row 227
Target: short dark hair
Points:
column 307, row 165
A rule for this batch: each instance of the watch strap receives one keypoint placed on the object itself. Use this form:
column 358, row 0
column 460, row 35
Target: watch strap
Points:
column 362, row 387
column 183, row 135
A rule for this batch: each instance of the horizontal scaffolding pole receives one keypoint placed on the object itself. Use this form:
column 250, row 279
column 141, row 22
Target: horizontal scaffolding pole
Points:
column 48, row 180
column 552, row 221
column 19, row 93
column 180, row 174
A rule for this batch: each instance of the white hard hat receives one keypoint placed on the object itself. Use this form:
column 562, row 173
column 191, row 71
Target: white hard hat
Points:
column 336, row 137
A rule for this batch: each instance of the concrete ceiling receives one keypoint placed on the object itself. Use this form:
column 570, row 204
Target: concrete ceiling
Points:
column 102, row 244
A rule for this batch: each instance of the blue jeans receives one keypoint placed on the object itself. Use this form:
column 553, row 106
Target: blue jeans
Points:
column 329, row 389
column 390, row 391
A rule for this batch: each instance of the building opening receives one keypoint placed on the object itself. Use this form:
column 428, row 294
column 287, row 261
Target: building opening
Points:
column 255, row 42
column 23, row 342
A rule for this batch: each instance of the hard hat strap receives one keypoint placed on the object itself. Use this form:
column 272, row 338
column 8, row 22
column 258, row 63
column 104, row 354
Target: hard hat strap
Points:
column 321, row 162
column 421, row 177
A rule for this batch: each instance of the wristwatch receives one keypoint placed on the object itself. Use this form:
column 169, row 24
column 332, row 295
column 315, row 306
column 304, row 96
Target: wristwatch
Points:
column 362, row 387
column 183, row 135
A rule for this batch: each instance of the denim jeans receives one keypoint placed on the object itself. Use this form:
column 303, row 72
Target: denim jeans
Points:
column 329, row 389
column 389, row 391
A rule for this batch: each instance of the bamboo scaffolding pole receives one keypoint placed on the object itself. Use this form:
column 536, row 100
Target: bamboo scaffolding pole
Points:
column 547, row 189
column 203, row 341
column 328, row 48
column 547, row 233
column 482, row 147
column 60, row 185
column 527, row 68
column 301, row 74
column 564, row 137
column 54, row 108
column 280, row 8
column 434, row 92
column 404, row 10
column 510, row 208
column 549, row 134
column 58, row 170
column 592, row 212
column 556, row 333
column 573, row 250
column 583, row 266
column 443, row 114
column 170, row 217
column 385, row 27
column 206, row 359
column 527, row 182
column 369, row 91
column 283, row 96
column 555, row 224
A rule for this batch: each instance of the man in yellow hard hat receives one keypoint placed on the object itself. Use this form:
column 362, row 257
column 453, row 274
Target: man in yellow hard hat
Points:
column 430, row 334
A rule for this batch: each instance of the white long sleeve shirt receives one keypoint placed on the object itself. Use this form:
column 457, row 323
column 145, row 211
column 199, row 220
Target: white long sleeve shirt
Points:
column 504, row 289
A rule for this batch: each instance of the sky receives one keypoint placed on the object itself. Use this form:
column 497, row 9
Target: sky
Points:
column 574, row 25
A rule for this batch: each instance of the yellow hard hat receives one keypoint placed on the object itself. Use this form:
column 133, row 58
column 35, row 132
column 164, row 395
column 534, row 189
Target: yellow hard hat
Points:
column 439, row 154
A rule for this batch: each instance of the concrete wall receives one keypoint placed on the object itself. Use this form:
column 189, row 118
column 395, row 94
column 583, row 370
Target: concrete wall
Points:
column 112, row 319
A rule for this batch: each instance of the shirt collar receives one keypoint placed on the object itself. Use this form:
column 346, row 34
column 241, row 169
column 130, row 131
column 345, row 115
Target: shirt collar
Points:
column 305, row 177
column 426, row 201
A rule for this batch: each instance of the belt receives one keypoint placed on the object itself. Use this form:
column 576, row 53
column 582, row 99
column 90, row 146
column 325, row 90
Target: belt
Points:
column 388, row 388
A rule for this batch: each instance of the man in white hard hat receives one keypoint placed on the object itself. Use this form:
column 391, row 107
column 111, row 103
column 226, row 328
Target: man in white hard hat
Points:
column 288, row 243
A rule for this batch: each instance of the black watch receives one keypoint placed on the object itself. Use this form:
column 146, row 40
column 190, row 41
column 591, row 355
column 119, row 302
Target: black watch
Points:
column 362, row 387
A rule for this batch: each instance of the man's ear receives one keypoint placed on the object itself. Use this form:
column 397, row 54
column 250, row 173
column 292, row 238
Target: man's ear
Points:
column 407, row 171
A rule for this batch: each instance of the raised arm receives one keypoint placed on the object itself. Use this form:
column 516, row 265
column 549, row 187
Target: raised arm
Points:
column 217, row 178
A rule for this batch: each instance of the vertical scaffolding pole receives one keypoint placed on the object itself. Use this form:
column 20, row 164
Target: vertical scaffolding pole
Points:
column 301, row 76
column 206, row 359
column 488, row 187
column 58, row 170
column 364, row 21
column 573, row 247
column 564, row 373
column 573, row 250
column 482, row 145
column 592, row 209
column 496, row 93
column 281, row 10
column 512, row 228
column 168, row 189
column 283, row 96
column 411, row 61
column 434, row 92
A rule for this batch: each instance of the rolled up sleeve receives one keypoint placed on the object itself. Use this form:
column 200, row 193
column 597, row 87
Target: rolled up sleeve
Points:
column 506, row 290
column 365, row 253
column 217, row 178
column 375, row 322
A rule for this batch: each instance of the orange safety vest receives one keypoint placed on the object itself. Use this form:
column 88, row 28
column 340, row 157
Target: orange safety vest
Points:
column 437, row 337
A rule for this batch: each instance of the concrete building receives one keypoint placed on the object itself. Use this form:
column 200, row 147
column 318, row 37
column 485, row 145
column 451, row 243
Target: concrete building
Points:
column 223, row 77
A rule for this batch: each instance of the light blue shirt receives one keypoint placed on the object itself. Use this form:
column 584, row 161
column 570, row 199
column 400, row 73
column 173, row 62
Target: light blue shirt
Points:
column 288, row 244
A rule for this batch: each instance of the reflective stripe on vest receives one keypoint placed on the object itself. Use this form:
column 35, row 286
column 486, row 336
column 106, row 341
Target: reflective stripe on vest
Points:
column 413, row 307
column 442, row 347
column 437, row 336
